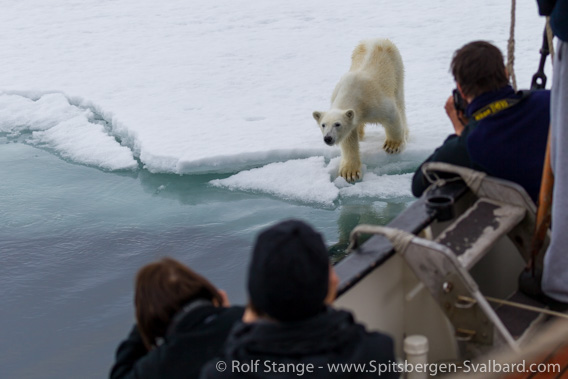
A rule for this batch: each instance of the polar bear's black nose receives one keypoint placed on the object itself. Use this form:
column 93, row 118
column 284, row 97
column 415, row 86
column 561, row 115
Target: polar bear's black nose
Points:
column 328, row 140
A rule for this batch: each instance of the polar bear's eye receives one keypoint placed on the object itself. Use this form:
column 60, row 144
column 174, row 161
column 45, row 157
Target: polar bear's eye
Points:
column 323, row 125
column 337, row 124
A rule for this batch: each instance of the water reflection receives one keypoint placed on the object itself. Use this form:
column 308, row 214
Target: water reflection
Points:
column 73, row 238
column 351, row 215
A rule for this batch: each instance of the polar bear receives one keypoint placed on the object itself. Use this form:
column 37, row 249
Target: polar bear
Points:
column 371, row 92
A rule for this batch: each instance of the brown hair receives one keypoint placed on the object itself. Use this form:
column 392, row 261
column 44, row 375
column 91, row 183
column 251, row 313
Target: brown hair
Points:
column 478, row 67
column 162, row 289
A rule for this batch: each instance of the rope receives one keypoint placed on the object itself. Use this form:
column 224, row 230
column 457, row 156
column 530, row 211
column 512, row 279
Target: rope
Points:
column 527, row 307
column 511, row 48
column 550, row 36
column 472, row 178
column 398, row 238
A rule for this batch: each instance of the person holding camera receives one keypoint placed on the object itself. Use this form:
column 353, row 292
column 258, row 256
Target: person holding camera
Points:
column 290, row 329
column 496, row 130
column 182, row 322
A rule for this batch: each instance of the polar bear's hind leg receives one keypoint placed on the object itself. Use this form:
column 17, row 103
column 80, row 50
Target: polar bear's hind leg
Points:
column 395, row 127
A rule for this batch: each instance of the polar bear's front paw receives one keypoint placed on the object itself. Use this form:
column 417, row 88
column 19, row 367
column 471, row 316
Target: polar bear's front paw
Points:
column 351, row 172
column 392, row 147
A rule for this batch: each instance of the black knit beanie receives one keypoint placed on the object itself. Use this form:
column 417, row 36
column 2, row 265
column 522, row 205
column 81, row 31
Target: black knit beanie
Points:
column 289, row 272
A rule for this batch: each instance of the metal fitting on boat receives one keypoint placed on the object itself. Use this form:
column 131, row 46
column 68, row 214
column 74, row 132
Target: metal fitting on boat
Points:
column 441, row 205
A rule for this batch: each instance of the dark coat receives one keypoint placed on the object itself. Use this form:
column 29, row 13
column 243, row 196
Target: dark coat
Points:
column 510, row 144
column 331, row 337
column 198, row 337
column 558, row 12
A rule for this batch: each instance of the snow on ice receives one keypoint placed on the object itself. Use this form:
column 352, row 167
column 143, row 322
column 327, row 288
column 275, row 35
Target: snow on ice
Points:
column 229, row 86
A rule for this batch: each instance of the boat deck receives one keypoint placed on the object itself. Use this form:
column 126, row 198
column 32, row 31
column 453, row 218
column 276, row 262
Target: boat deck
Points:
column 518, row 320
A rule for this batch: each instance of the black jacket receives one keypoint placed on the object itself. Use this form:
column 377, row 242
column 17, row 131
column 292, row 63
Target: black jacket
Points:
column 284, row 350
column 558, row 12
column 195, row 339
column 510, row 144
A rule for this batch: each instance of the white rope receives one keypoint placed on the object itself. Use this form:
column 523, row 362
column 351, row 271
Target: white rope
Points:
column 511, row 47
column 398, row 238
column 550, row 36
column 472, row 178
column 526, row 307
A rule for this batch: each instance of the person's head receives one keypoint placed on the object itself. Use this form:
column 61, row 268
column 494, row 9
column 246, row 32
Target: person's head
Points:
column 477, row 68
column 290, row 278
column 162, row 289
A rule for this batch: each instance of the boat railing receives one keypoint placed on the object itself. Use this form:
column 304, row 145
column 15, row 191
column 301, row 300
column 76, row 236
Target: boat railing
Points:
column 449, row 184
column 460, row 218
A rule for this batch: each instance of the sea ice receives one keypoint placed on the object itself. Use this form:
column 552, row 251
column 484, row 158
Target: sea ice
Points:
column 227, row 86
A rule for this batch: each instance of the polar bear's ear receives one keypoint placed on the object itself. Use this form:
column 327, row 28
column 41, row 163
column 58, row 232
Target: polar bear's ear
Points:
column 350, row 114
column 317, row 115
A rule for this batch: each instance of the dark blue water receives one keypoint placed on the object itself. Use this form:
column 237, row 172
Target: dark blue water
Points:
column 72, row 238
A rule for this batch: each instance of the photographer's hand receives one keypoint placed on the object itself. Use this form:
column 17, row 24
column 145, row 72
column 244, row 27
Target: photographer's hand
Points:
column 455, row 117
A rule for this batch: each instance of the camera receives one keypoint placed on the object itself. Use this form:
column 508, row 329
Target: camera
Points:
column 459, row 102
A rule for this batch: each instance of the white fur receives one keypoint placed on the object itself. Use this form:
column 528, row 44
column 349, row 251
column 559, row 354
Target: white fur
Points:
column 371, row 92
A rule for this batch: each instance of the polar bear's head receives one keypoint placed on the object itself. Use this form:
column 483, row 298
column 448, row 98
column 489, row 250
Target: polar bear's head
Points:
column 335, row 124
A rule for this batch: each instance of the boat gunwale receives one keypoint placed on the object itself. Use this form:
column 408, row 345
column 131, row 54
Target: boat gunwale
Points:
column 377, row 249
